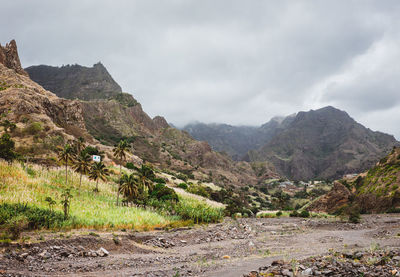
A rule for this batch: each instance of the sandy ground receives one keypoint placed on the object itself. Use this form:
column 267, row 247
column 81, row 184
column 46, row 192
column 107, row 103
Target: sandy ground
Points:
column 231, row 248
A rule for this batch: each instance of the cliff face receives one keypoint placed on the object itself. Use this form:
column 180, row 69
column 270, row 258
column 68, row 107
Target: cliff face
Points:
column 76, row 81
column 10, row 59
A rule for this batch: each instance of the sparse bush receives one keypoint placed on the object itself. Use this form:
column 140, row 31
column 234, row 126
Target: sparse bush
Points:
column 305, row 214
column 7, row 147
column 33, row 128
column 183, row 186
column 294, row 214
column 130, row 165
column 199, row 190
column 159, row 180
column 354, row 216
column 164, row 193
column 15, row 226
column 37, row 217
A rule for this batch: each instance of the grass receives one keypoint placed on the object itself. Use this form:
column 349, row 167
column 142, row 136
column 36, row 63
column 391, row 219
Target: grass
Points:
column 18, row 184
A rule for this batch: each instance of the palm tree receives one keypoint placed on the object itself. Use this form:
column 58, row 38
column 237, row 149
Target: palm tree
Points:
column 82, row 165
column 66, row 155
column 120, row 153
column 129, row 186
column 79, row 144
column 146, row 174
column 98, row 171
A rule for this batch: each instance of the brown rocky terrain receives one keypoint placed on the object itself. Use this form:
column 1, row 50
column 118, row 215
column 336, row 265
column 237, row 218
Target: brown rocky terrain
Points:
column 228, row 249
column 376, row 190
column 333, row 200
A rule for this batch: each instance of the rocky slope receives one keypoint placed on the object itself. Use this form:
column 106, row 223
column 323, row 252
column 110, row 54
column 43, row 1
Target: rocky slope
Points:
column 76, row 81
column 376, row 190
column 110, row 115
column 321, row 144
column 42, row 118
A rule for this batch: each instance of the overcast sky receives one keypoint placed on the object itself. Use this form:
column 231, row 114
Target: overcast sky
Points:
column 236, row 62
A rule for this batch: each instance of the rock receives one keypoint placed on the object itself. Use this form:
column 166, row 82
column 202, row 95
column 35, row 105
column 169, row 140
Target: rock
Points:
column 307, row 271
column 358, row 255
column 102, row 252
column 9, row 57
column 396, row 258
column 251, row 244
column 287, row 273
column 278, row 262
column 24, row 255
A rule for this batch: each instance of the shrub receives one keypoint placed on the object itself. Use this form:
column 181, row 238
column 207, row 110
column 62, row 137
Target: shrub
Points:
column 199, row 190
column 294, row 214
column 37, row 217
column 305, row 213
column 354, row 216
column 7, row 147
column 164, row 193
column 33, row 128
column 15, row 225
column 183, row 186
column 130, row 165
column 278, row 214
column 159, row 180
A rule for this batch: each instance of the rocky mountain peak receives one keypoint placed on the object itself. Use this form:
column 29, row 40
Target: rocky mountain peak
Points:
column 10, row 59
column 76, row 81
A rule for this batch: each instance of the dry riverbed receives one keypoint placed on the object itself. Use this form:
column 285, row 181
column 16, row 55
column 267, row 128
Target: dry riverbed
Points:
column 232, row 248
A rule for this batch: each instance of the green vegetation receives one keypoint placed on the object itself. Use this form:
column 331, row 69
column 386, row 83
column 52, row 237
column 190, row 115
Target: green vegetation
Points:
column 120, row 153
column 86, row 210
column 43, row 191
column 98, row 171
column 7, row 148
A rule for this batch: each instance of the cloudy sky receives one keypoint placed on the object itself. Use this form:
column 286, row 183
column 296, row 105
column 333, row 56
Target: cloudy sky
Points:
column 237, row 62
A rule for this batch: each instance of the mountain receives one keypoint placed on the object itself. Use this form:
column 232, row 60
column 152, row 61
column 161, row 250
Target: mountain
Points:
column 236, row 141
column 321, row 144
column 110, row 115
column 324, row 144
column 76, row 81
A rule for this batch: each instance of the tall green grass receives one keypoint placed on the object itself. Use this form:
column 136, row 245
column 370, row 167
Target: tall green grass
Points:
column 32, row 184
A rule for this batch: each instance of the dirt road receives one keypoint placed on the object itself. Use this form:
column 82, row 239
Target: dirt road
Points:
column 231, row 248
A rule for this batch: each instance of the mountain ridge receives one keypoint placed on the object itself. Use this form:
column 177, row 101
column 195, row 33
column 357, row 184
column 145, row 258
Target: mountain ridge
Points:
column 325, row 143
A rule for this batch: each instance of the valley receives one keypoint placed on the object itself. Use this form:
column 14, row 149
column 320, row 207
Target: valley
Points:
column 91, row 185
